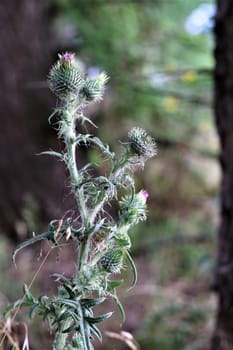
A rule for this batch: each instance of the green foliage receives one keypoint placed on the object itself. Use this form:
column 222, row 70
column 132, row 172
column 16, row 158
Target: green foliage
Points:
column 102, row 241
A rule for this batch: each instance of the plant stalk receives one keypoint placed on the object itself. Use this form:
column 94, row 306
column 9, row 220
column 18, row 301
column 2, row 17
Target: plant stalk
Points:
column 69, row 136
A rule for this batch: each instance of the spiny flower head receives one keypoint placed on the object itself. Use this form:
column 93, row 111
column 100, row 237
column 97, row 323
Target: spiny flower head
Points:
column 142, row 143
column 142, row 196
column 93, row 89
column 112, row 260
column 65, row 79
column 133, row 209
column 66, row 57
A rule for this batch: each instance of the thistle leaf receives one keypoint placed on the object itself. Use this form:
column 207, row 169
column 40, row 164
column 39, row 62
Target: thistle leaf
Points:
column 46, row 235
column 88, row 303
column 119, row 305
column 96, row 332
column 114, row 284
column 16, row 305
column 98, row 319
column 52, row 153
column 85, row 332
column 58, row 276
column 33, row 310
column 68, row 302
column 131, row 262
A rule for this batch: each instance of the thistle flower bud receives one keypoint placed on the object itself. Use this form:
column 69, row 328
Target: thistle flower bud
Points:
column 65, row 79
column 133, row 209
column 142, row 196
column 93, row 89
column 112, row 261
column 142, row 143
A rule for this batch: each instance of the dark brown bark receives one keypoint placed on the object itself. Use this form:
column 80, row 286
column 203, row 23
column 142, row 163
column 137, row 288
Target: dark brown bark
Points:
column 25, row 105
column 223, row 336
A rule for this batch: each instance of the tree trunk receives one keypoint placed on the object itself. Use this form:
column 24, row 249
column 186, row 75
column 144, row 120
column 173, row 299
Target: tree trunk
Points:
column 25, row 105
column 223, row 335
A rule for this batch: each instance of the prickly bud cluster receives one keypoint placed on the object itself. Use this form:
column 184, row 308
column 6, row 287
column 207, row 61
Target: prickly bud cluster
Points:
column 93, row 89
column 65, row 79
column 142, row 143
column 133, row 209
column 112, row 261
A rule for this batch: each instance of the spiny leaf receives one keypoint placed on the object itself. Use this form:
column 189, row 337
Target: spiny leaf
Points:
column 119, row 305
column 114, row 284
column 104, row 148
column 33, row 310
column 71, row 328
column 45, row 314
column 46, row 235
column 28, row 297
column 131, row 262
column 75, row 325
column 28, row 300
column 99, row 225
column 52, row 153
column 61, row 277
column 42, row 299
column 68, row 302
column 64, row 316
column 17, row 304
column 85, row 332
column 98, row 319
column 88, row 303
column 96, row 332
column 84, row 119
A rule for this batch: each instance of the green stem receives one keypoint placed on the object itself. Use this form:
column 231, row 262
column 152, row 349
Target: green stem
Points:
column 83, row 254
column 97, row 209
column 120, row 166
column 60, row 338
column 69, row 136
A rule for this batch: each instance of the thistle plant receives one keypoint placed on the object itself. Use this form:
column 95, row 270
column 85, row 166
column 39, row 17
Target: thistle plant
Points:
column 103, row 242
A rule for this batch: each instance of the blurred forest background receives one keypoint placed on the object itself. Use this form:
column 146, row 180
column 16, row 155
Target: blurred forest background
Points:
column 159, row 55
